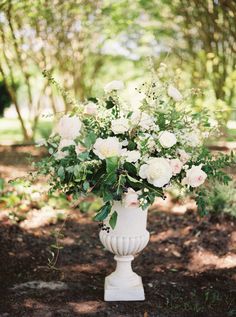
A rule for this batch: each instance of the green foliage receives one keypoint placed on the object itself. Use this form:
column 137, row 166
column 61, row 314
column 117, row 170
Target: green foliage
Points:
column 112, row 162
column 103, row 212
column 5, row 98
column 113, row 220
column 2, row 183
column 220, row 199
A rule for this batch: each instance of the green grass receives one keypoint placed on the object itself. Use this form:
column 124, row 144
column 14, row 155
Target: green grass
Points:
column 10, row 131
column 231, row 135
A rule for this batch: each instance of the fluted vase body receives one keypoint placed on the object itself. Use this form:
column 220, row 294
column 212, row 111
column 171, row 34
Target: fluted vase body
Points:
column 128, row 238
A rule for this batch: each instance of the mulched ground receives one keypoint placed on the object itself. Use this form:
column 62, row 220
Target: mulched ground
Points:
column 188, row 268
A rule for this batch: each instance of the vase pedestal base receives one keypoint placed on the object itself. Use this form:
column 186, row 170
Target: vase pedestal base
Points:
column 124, row 284
column 135, row 293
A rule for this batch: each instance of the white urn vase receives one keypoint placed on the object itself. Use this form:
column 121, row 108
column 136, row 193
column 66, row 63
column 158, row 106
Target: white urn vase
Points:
column 127, row 239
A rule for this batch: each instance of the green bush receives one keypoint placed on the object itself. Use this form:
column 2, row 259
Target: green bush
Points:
column 221, row 199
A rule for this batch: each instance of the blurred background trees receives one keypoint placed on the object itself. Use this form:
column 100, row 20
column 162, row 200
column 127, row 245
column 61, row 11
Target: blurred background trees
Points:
column 86, row 43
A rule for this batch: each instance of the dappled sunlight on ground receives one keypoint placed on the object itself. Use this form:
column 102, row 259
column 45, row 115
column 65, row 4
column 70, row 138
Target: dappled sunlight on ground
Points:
column 204, row 260
column 170, row 233
column 87, row 307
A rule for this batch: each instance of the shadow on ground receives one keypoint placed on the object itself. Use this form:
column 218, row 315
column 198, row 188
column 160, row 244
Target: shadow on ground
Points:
column 188, row 270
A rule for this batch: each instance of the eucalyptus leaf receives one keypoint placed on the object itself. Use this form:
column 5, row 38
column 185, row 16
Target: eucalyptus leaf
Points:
column 103, row 212
column 113, row 220
column 61, row 172
column 112, row 164
column 132, row 170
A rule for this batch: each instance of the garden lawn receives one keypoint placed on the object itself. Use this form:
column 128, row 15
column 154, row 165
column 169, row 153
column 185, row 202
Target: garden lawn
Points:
column 10, row 131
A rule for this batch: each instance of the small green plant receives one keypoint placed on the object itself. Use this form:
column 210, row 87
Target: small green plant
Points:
column 221, row 198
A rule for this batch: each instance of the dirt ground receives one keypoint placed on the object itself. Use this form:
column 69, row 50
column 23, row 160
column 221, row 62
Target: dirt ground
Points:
column 188, row 267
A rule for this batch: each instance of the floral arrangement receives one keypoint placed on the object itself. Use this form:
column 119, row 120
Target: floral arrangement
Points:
column 133, row 155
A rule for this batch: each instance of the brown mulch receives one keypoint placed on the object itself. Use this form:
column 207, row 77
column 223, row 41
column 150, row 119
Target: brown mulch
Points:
column 188, row 268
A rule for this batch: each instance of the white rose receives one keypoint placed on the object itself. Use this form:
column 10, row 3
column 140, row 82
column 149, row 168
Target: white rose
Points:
column 109, row 147
column 119, row 126
column 143, row 120
column 176, row 166
column 130, row 198
column 63, row 143
column 90, row 108
column 184, row 156
column 132, row 156
column 167, row 139
column 195, row 176
column 174, row 93
column 147, row 122
column 157, row 171
column 69, row 127
column 114, row 85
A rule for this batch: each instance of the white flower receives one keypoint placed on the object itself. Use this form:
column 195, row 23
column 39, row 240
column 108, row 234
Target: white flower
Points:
column 91, row 108
column 69, row 127
column 213, row 122
column 184, row 156
column 192, row 138
column 79, row 149
column 124, row 143
column 119, row 126
column 109, row 147
column 132, row 156
column 167, row 139
column 176, row 166
column 130, row 198
column 143, row 120
column 114, row 85
column 174, row 93
column 195, row 176
column 63, row 143
column 157, row 171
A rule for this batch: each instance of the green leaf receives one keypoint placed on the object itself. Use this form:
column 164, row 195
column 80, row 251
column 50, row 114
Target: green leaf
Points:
column 112, row 164
column 1, row 184
column 103, row 212
column 90, row 139
column 134, row 182
column 50, row 151
column 132, row 179
column 77, row 171
column 93, row 99
column 113, row 220
column 110, row 179
column 61, row 172
column 107, row 196
column 110, row 103
column 201, row 204
column 83, row 156
column 131, row 146
column 130, row 168
column 86, row 185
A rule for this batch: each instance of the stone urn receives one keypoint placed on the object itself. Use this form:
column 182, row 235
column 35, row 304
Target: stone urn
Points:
column 128, row 238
